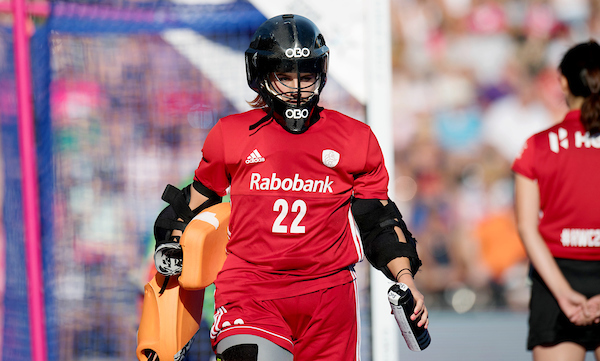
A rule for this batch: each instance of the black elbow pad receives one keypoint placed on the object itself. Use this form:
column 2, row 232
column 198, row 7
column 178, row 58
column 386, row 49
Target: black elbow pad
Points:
column 380, row 242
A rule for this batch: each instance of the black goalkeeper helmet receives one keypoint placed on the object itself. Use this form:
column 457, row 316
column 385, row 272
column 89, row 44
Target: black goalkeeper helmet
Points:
column 282, row 45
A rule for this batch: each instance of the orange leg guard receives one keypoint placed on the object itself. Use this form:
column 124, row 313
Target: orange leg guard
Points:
column 171, row 319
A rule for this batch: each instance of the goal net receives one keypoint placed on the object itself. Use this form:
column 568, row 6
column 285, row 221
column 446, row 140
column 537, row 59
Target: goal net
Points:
column 124, row 95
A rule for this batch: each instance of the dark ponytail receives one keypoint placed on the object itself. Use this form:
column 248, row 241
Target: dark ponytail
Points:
column 590, row 109
column 581, row 67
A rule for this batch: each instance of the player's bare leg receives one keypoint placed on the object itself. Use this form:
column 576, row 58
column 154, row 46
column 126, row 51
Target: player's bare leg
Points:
column 564, row 351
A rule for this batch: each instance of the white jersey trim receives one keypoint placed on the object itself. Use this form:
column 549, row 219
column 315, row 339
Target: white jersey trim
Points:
column 356, row 236
column 257, row 329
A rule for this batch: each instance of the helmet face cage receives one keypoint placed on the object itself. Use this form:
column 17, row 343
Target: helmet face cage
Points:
column 286, row 64
column 297, row 91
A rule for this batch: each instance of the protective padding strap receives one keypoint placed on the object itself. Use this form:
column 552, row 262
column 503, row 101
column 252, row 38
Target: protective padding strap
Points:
column 381, row 244
column 178, row 214
column 207, row 192
column 179, row 200
column 387, row 247
column 245, row 352
column 169, row 320
column 242, row 347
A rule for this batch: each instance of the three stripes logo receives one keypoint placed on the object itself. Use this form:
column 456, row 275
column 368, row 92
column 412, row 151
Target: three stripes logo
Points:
column 559, row 140
column 254, row 157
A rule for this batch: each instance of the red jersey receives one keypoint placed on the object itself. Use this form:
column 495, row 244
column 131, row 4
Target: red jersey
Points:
column 565, row 161
column 291, row 228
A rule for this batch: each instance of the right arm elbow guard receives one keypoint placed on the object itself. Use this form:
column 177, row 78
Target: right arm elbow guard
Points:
column 380, row 241
column 386, row 247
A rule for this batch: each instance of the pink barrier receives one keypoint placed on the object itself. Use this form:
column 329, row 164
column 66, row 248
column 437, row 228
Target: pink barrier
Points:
column 31, row 208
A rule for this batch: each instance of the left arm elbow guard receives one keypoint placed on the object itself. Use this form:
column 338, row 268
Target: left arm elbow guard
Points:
column 178, row 208
column 380, row 241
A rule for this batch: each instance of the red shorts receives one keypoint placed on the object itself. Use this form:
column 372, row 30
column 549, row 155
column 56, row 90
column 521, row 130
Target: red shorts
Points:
column 322, row 325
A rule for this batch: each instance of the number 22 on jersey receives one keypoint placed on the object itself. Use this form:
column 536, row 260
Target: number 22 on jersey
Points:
column 282, row 207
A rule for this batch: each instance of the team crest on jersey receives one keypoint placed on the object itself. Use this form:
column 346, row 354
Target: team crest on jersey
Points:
column 330, row 158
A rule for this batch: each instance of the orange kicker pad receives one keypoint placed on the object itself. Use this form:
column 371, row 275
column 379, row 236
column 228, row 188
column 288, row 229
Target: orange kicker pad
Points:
column 170, row 320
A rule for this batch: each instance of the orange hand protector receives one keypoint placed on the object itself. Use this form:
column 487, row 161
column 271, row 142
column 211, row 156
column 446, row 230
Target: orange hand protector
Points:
column 203, row 243
column 171, row 319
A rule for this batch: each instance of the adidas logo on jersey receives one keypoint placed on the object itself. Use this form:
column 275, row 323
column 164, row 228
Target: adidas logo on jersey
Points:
column 254, row 157
column 560, row 140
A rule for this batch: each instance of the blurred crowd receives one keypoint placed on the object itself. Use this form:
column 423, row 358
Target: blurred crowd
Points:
column 473, row 79
column 126, row 123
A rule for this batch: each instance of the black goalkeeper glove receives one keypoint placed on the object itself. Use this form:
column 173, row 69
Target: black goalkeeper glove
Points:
column 168, row 257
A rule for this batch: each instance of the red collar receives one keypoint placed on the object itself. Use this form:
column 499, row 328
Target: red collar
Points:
column 573, row 115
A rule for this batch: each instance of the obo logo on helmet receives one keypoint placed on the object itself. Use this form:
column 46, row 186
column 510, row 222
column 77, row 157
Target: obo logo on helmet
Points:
column 296, row 113
column 297, row 53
